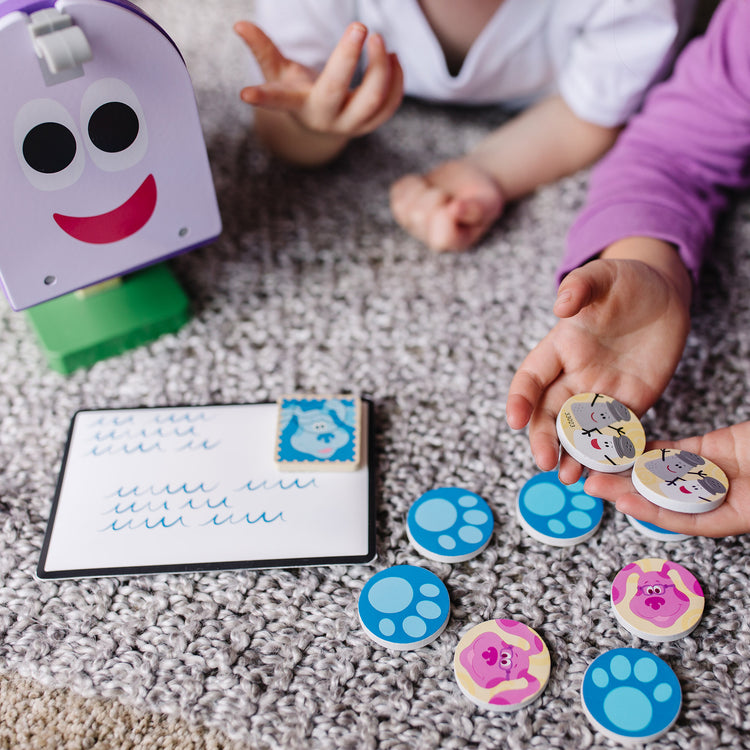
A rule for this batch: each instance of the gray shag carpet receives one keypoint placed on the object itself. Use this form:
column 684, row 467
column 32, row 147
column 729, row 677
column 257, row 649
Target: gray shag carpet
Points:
column 312, row 288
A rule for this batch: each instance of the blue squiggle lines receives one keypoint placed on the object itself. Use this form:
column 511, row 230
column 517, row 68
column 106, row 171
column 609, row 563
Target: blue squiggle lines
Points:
column 137, row 491
column 205, row 504
column 112, row 435
column 281, row 484
column 188, row 417
column 145, row 523
column 159, row 432
column 193, row 446
column 108, row 419
column 243, row 519
column 128, row 450
column 119, row 509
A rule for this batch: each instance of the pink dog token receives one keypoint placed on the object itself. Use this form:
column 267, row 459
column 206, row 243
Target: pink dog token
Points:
column 600, row 432
column 502, row 664
column 657, row 600
column 680, row 480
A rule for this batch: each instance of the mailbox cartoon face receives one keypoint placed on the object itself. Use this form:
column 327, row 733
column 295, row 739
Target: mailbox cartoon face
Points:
column 103, row 167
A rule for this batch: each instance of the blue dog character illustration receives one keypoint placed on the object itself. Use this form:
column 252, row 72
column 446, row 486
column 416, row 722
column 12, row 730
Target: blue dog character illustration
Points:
column 318, row 430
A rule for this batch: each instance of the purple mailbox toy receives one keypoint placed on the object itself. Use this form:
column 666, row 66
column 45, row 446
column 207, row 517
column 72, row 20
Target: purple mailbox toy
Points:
column 103, row 167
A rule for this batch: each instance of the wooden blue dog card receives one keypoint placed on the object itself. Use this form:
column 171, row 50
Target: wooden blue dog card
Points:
column 319, row 433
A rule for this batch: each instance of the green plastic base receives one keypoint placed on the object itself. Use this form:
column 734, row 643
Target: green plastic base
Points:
column 76, row 332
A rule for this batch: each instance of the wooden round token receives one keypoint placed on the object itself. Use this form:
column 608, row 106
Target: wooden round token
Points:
column 652, row 531
column 600, row 432
column 680, row 480
column 449, row 524
column 558, row 514
column 657, row 600
column 502, row 664
column 404, row 607
column 631, row 695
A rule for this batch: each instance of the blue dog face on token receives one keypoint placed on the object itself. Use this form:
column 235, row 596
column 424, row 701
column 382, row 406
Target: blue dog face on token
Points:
column 631, row 695
column 449, row 524
column 404, row 607
column 558, row 514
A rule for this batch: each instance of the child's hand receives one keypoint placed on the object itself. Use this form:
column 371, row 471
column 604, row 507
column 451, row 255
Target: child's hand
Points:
column 728, row 448
column 325, row 102
column 449, row 208
column 622, row 329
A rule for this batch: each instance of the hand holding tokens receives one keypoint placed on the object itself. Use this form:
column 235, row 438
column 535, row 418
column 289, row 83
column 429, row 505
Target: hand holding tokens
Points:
column 600, row 432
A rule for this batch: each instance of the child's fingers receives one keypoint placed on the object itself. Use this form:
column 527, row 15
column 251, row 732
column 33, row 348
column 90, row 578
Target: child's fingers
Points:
column 413, row 199
column 569, row 471
column 270, row 60
column 582, row 287
column 271, row 96
column 540, row 368
column 545, row 447
column 379, row 94
column 331, row 88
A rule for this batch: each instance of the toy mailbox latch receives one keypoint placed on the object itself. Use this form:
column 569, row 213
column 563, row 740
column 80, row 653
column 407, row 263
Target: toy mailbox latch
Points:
column 58, row 42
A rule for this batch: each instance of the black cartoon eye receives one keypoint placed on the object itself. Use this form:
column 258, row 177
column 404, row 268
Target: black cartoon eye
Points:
column 49, row 147
column 113, row 127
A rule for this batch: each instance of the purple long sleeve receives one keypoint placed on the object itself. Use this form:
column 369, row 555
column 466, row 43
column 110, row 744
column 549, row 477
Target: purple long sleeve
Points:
column 671, row 172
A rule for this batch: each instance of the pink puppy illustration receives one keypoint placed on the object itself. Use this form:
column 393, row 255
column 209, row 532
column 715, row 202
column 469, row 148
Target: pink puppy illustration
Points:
column 490, row 661
column 656, row 598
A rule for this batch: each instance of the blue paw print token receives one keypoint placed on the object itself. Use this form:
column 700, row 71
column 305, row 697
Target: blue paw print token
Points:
column 404, row 607
column 652, row 531
column 631, row 695
column 449, row 524
column 558, row 514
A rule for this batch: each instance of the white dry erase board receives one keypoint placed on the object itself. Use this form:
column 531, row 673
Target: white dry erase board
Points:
column 177, row 489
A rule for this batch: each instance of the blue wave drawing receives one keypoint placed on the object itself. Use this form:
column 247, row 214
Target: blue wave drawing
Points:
column 132, row 508
column 230, row 519
column 137, row 491
column 128, row 450
column 112, row 435
column 109, row 419
column 189, row 417
column 280, row 484
column 200, row 446
column 161, row 432
column 145, row 523
column 205, row 504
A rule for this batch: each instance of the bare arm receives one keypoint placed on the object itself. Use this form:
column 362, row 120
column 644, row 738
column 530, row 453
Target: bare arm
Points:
column 454, row 205
column 542, row 144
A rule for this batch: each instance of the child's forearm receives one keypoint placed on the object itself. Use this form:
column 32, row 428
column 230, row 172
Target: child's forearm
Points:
column 544, row 143
column 658, row 254
column 293, row 142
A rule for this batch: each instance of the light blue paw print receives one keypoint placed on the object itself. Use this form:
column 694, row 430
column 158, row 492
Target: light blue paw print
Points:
column 449, row 524
column 631, row 695
column 404, row 607
column 558, row 514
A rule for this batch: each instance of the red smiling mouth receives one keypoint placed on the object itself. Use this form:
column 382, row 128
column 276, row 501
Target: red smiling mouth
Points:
column 114, row 225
